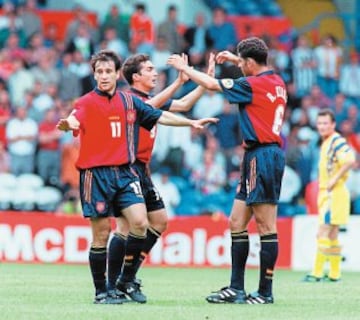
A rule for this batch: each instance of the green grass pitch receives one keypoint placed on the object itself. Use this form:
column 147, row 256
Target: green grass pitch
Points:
column 36, row 292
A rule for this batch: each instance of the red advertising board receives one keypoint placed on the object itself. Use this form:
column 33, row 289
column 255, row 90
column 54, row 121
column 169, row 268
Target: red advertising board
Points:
column 189, row 241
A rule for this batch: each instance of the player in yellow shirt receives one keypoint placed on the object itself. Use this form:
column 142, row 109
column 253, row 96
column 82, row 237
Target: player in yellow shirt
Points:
column 336, row 159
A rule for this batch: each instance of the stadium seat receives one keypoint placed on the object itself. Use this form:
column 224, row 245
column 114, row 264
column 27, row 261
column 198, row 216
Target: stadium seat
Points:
column 7, row 180
column 5, row 198
column 48, row 199
column 29, row 180
column 24, row 199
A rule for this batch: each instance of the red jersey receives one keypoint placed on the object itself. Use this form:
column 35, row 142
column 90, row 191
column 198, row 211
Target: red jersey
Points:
column 47, row 127
column 146, row 138
column 109, row 128
column 262, row 101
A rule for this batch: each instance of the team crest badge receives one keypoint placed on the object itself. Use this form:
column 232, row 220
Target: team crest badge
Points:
column 100, row 207
column 227, row 83
column 131, row 116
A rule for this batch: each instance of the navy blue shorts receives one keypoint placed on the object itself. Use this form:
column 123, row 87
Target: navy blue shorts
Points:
column 261, row 174
column 153, row 200
column 105, row 191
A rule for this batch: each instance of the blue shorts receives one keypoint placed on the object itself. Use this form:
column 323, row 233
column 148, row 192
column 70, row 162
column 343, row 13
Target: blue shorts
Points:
column 153, row 200
column 105, row 191
column 261, row 174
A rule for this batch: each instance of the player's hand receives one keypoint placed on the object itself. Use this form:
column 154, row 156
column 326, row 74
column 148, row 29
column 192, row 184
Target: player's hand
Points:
column 224, row 56
column 199, row 124
column 211, row 65
column 177, row 62
column 183, row 77
column 64, row 125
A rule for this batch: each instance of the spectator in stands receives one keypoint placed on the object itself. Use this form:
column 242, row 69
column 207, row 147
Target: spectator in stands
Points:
column 69, row 155
column 51, row 35
column 20, row 81
column 168, row 190
column 45, row 71
column 352, row 137
column 4, row 158
column 21, row 135
column 170, row 30
column 197, row 37
column 141, row 27
column 114, row 43
column 69, row 83
column 82, row 42
column 350, row 79
column 353, row 184
column 340, row 106
column 114, row 19
column 10, row 23
column 353, row 115
column 319, row 98
column 227, row 132
column 30, row 18
column 278, row 58
column 81, row 18
column 36, row 49
column 194, row 151
column 328, row 61
column 303, row 66
column 306, row 160
column 48, row 155
column 210, row 176
column 210, row 104
column 222, row 32
column 160, row 54
column 42, row 102
column 5, row 113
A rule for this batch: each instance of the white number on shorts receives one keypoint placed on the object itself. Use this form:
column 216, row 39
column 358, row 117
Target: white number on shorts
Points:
column 115, row 129
column 278, row 119
column 136, row 187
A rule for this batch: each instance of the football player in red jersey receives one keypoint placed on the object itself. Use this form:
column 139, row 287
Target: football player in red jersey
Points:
column 108, row 123
column 261, row 98
column 140, row 73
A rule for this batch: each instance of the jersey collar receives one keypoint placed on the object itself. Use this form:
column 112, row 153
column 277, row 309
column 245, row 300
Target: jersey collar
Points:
column 139, row 93
column 267, row 72
column 104, row 94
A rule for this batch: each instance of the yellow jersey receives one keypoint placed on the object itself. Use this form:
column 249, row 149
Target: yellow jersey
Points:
column 334, row 206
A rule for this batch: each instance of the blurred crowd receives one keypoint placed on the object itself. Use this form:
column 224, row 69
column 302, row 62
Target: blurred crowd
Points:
column 196, row 172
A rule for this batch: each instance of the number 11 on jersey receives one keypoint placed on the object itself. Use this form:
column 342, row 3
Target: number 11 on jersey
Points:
column 115, row 129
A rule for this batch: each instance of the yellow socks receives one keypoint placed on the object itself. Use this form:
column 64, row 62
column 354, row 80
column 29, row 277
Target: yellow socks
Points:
column 335, row 260
column 323, row 247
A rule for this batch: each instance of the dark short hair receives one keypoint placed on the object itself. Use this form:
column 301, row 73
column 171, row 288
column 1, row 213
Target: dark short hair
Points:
column 327, row 112
column 254, row 48
column 105, row 55
column 140, row 6
column 132, row 65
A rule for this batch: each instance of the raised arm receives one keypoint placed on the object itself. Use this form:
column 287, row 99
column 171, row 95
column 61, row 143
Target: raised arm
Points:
column 160, row 99
column 227, row 56
column 185, row 103
column 199, row 77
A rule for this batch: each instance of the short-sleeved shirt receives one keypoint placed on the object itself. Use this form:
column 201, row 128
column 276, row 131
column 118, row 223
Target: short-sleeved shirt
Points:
column 262, row 101
column 147, row 138
column 334, row 205
column 109, row 127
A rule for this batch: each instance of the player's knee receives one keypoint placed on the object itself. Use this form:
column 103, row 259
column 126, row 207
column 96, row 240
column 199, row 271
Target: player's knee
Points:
column 265, row 228
column 139, row 226
column 101, row 237
column 159, row 226
column 159, row 222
